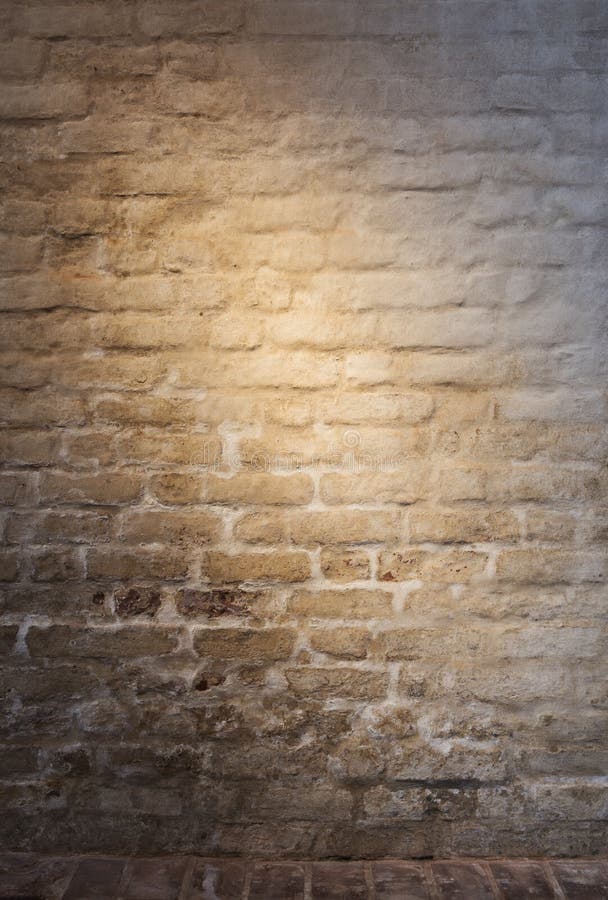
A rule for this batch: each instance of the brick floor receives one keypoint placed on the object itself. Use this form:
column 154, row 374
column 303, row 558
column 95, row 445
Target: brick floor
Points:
column 28, row 877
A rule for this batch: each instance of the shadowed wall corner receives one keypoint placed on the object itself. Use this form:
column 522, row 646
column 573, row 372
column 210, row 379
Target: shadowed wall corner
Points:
column 303, row 427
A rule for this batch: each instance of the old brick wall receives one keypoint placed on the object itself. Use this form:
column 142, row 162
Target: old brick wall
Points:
column 303, row 363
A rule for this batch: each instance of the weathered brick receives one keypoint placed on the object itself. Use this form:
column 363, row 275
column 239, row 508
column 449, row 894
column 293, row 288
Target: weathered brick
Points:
column 8, row 633
column 401, row 486
column 278, row 566
column 339, row 683
column 303, row 441
column 260, row 489
column 98, row 643
column 462, row 526
column 186, row 18
column 63, row 487
column 114, row 562
column 345, row 565
column 152, row 526
column 551, row 566
column 234, row 643
column 449, row 566
column 346, row 643
column 350, row 603
column 44, row 101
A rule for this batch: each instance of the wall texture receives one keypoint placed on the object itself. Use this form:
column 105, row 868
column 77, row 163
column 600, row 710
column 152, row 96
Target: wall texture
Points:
column 303, row 331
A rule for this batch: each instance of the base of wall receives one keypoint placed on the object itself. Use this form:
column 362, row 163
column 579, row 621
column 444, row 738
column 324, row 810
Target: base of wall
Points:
column 197, row 879
column 298, row 840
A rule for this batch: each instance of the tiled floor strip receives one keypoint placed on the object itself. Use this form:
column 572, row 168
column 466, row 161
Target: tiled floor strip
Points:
column 30, row 877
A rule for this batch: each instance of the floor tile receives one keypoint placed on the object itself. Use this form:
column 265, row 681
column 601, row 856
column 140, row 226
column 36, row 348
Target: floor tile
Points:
column 339, row 881
column 462, row 881
column 399, row 880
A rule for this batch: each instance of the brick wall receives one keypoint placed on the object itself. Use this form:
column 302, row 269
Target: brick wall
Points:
column 303, row 404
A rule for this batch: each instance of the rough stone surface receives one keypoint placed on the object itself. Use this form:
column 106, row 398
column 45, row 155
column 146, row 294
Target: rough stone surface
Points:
column 303, row 440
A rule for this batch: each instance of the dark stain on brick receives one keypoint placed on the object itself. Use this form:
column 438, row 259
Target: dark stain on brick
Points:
column 213, row 603
column 136, row 602
column 206, row 680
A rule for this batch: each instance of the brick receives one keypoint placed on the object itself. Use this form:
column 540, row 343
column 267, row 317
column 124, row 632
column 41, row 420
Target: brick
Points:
column 348, row 527
column 259, row 488
column 351, row 603
column 99, row 643
column 447, row 566
column 347, row 683
column 345, row 643
column 152, row 526
column 186, row 18
column 136, row 602
column 114, row 562
column 59, row 487
column 20, row 254
column 271, row 644
column 8, row 634
column 20, row 59
column 56, row 565
column 402, row 486
column 44, row 101
column 550, row 566
column 462, row 526
column 345, row 565
column 281, row 566
column 175, row 489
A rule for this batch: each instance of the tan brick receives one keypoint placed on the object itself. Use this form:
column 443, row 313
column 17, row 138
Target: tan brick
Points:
column 100, row 643
column 343, row 526
column 345, row 565
column 116, row 563
column 56, row 565
column 159, row 526
column 271, row 644
column 353, row 603
column 16, row 488
column 263, row 489
column 106, row 59
column 337, row 683
column 44, row 101
column 41, row 408
column 447, row 566
column 70, row 526
column 466, row 526
column 346, row 643
column 277, row 566
column 185, row 18
column 551, row 566
column 19, row 254
column 402, row 486
column 29, row 448
column 106, row 488
column 163, row 447
column 21, row 59
column 176, row 489
column 427, row 643
column 462, row 483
